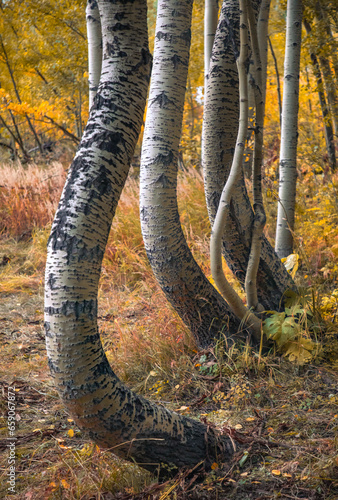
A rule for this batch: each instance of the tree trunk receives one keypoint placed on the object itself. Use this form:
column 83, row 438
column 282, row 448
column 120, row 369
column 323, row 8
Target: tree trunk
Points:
column 325, row 52
column 327, row 122
column 331, row 93
column 94, row 36
column 289, row 132
column 279, row 98
column 112, row 415
column 210, row 27
column 223, row 211
column 194, row 298
column 262, row 33
column 219, row 138
column 259, row 79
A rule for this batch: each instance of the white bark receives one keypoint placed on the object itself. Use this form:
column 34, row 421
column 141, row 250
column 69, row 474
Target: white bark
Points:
column 262, row 35
column 194, row 298
column 258, row 206
column 94, row 36
column 210, row 26
column 235, row 174
column 220, row 125
column 289, row 133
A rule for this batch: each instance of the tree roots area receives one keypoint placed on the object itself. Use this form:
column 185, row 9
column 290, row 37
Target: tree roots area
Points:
column 282, row 420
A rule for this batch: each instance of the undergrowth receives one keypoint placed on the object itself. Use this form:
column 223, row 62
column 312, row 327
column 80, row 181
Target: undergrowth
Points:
column 260, row 394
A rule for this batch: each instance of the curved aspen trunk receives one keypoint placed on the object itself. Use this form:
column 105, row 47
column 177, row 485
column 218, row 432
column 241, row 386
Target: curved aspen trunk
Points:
column 197, row 302
column 258, row 205
column 235, row 173
column 262, row 34
column 112, row 415
column 219, row 138
column 289, row 133
column 94, row 36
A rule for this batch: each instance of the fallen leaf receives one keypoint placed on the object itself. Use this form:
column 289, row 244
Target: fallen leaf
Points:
column 65, row 484
column 276, row 472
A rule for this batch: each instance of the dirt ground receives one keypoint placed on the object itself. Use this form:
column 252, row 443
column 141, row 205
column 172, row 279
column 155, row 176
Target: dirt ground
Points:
column 283, row 421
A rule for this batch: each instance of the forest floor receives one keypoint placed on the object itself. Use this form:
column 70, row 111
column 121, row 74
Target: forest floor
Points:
column 285, row 416
column 282, row 416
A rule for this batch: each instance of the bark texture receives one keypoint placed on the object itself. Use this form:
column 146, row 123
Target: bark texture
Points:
column 289, row 132
column 259, row 74
column 235, row 173
column 197, row 302
column 112, row 415
column 210, row 26
column 94, row 36
column 219, row 138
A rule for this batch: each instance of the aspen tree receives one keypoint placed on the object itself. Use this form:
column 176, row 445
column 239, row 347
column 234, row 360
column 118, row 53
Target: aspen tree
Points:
column 235, row 174
column 220, row 124
column 94, row 36
column 262, row 34
column 210, row 26
column 328, row 128
column 194, row 298
column 110, row 414
column 289, row 131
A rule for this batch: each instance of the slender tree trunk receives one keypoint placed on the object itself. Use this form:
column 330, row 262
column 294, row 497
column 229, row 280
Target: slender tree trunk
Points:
column 262, row 34
column 210, row 27
column 235, row 174
column 279, row 95
column 187, row 289
column 219, row 138
column 327, row 123
column 331, row 93
column 330, row 81
column 112, row 415
column 259, row 79
column 289, row 132
column 94, row 36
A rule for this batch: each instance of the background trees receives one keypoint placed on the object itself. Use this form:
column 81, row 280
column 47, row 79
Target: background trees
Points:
column 43, row 46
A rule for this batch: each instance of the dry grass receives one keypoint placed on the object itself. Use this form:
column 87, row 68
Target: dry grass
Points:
column 152, row 350
column 28, row 197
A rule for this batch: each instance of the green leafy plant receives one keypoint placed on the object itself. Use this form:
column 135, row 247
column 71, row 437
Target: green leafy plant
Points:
column 290, row 331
